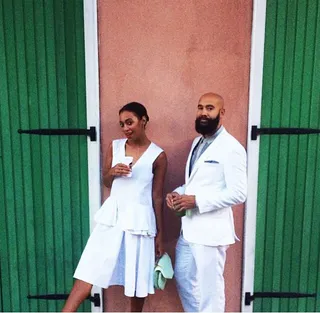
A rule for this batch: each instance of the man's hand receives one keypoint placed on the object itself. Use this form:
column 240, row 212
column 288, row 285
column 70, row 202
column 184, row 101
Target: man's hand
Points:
column 184, row 202
column 169, row 199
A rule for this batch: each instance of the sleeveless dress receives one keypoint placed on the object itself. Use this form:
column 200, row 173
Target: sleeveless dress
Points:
column 121, row 249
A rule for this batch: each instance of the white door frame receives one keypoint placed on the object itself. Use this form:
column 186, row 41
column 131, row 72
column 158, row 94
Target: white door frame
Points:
column 255, row 95
column 93, row 115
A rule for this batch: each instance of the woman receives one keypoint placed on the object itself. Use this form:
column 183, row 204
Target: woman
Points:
column 121, row 249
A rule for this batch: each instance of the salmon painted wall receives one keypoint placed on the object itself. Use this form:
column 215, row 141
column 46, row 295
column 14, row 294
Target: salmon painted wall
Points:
column 165, row 54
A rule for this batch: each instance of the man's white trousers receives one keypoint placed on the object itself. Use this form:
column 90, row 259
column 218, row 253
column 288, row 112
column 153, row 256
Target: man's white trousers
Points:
column 199, row 276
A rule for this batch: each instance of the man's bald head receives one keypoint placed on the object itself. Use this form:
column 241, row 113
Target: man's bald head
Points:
column 212, row 97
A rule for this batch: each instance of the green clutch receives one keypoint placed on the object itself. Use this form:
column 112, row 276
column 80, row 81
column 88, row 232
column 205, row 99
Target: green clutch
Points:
column 163, row 270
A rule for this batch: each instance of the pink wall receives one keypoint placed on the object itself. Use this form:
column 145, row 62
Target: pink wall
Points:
column 165, row 54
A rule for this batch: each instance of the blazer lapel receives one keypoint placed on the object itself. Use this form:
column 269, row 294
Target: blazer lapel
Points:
column 200, row 160
column 195, row 143
column 204, row 155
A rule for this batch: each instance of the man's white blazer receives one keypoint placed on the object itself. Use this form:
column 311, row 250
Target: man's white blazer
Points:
column 218, row 180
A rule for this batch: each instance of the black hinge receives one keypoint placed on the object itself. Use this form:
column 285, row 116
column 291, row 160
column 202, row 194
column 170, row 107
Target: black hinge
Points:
column 91, row 132
column 255, row 131
column 95, row 299
column 250, row 297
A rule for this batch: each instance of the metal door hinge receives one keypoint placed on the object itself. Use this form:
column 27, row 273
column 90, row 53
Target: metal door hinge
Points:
column 95, row 299
column 250, row 297
column 91, row 132
column 255, row 131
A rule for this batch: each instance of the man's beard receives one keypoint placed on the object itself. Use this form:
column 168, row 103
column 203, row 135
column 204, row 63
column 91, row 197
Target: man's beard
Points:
column 208, row 128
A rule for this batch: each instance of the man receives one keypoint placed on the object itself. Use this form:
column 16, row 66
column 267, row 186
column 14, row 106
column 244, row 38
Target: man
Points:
column 215, row 180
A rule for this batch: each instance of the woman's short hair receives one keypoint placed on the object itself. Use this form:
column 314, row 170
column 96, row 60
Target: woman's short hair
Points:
column 137, row 108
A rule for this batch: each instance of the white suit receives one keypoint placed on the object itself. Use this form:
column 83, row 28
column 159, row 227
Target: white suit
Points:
column 218, row 180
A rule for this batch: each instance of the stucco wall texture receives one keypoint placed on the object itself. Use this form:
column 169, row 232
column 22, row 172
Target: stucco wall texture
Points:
column 166, row 54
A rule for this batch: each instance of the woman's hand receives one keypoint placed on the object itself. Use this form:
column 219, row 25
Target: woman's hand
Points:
column 170, row 199
column 159, row 245
column 120, row 169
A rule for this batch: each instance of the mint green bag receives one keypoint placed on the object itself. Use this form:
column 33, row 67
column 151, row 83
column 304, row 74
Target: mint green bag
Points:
column 163, row 270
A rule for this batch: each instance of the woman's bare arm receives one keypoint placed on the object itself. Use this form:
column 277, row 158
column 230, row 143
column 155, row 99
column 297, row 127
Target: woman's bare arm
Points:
column 107, row 172
column 159, row 171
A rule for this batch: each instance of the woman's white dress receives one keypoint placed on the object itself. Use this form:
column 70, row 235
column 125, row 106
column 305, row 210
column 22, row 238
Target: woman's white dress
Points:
column 121, row 250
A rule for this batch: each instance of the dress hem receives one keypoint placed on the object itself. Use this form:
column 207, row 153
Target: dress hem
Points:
column 126, row 294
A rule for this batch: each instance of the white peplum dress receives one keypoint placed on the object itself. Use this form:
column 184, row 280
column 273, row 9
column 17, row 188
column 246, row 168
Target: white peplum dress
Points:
column 121, row 249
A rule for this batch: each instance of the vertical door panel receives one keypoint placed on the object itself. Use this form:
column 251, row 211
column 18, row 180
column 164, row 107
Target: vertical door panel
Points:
column 44, row 180
column 288, row 219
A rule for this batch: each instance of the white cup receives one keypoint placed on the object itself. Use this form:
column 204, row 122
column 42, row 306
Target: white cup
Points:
column 127, row 161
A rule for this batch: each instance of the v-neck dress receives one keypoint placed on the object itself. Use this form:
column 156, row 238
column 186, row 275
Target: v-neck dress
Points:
column 121, row 250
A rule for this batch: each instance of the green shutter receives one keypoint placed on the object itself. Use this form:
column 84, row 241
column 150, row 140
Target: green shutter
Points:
column 288, row 216
column 43, row 180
